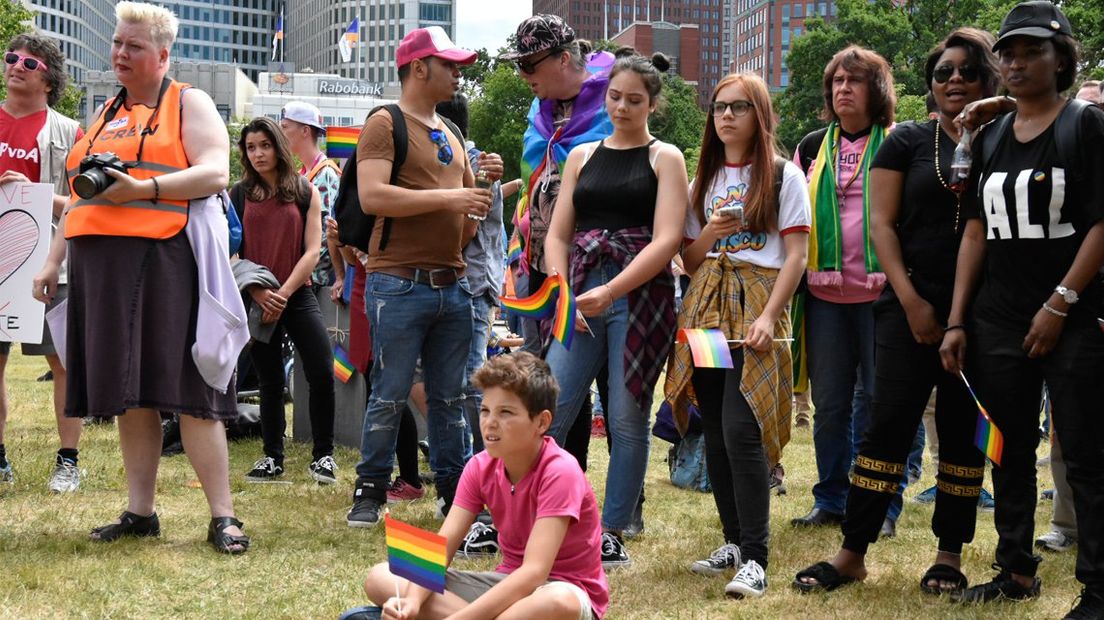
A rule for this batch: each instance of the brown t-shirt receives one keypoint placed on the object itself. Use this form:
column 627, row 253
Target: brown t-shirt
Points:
column 431, row 240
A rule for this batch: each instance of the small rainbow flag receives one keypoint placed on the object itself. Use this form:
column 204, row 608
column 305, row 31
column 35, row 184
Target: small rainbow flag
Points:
column 987, row 437
column 343, row 370
column 341, row 142
column 416, row 554
column 513, row 251
column 555, row 299
column 708, row 346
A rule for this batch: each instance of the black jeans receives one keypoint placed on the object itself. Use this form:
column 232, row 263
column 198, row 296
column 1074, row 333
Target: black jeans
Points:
column 302, row 321
column 735, row 459
column 1009, row 385
column 905, row 372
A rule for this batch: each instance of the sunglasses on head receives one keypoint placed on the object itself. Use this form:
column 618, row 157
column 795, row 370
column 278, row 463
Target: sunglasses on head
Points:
column 30, row 64
column 530, row 67
column 943, row 73
column 444, row 149
column 738, row 108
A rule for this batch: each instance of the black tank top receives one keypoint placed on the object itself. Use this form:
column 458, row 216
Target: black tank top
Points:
column 616, row 189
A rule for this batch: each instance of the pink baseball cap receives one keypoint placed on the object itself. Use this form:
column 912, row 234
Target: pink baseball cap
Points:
column 431, row 41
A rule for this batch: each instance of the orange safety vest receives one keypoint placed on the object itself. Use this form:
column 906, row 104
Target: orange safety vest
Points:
column 162, row 153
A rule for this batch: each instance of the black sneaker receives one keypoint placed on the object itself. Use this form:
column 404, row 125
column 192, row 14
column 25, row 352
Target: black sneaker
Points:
column 613, row 551
column 1003, row 586
column 368, row 500
column 1090, row 606
column 323, row 470
column 265, row 470
column 725, row 557
column 481, row 540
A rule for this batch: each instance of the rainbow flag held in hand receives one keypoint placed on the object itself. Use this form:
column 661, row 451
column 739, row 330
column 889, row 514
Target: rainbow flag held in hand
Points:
column 708, row 346
column 415, row 554
column 513, row 251
column 341, row 142
column 555, row 299
column 343, row 369
column 987, row 437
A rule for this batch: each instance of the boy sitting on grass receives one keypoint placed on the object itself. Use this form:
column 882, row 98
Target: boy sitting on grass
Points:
column 547, row 517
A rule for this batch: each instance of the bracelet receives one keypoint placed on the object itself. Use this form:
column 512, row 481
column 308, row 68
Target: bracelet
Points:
column 610, row 292
column 156, row 190
column 1057, row 313
column 949, row 328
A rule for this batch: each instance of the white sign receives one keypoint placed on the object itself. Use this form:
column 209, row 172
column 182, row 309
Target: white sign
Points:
column 25, row 211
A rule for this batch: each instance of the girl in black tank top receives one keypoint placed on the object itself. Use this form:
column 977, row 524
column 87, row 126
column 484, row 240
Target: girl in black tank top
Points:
column 616, row 189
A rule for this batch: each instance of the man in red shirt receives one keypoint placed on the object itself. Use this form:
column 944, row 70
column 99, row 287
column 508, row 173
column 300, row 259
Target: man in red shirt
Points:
column 34, row 142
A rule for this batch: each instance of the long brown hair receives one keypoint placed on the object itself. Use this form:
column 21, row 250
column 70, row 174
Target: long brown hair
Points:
column 761, row 211
column 289, row 187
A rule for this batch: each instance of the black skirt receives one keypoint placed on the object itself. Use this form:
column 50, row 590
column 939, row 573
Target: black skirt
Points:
column 131, row 327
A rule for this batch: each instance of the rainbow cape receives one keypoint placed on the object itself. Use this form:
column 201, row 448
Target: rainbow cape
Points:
column 555, row 299
column 708, row 346
column 343, row 370
column 544, row 144
column 415, row 554
column 987, row 437
column 341, row 142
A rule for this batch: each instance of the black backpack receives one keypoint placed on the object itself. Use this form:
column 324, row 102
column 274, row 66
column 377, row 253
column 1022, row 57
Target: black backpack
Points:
column 1067, row 138
column 237, row 198
column 354, row 226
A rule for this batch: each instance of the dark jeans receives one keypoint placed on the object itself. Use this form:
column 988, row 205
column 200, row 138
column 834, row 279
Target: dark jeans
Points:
column 406, row 449
column 905, row 374
column 1009, row 384
column 735, row 459
column 302, row 321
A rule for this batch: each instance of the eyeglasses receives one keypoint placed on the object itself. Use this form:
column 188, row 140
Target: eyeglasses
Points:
column 529, row 68
column 738, row 108
column 444, row 149
column 30, row 64
column 943, row 73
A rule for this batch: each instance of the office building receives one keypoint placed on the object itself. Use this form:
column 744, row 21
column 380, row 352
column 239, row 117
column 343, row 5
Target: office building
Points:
column 679, row 43
column 343, row 102
column 765, row 30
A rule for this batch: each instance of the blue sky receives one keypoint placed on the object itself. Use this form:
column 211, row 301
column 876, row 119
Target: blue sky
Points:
column 487, row 23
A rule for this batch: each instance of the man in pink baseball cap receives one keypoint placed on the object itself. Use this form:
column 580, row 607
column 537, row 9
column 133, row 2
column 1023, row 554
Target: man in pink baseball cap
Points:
column 431, row 41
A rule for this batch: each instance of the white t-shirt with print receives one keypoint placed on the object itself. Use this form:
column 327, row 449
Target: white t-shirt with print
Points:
column 730, row 189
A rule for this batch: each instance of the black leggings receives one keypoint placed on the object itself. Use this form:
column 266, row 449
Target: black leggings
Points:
column 735, row 459
column 905, row 372
column 406, row 448
column 302, row 320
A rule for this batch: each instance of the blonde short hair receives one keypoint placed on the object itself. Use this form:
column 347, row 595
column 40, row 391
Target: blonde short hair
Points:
column 162, row 23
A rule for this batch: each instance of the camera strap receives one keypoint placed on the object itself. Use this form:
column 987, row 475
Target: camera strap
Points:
column 117, row 104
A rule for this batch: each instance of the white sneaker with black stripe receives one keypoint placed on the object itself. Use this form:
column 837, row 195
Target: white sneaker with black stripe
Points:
column 481, row 541
column 750, row 580
column 723, row 558
column 324, row 470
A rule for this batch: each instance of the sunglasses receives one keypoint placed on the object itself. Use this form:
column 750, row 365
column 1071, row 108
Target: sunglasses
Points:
column 530, row 67
column 738, row 108
column 30, row 64
column 943, row 73
column 444, row 149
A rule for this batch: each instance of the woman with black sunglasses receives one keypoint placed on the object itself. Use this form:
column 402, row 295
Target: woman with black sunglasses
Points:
column 915, row 228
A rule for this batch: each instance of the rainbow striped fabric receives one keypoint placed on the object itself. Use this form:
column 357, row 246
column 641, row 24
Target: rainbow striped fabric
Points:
column 555, row 299
column 513, row 251
column 341, row 142
column 987, row 437
column 708, row 346
column 416, row 555
column 343, row 369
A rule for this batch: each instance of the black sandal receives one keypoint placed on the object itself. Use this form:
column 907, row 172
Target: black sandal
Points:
column 827, row 578
column 129, row 524
column 223, row 542
column 943, row 572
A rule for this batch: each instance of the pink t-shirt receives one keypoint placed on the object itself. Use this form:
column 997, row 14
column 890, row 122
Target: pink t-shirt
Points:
column 855, row 288
column 555, row 487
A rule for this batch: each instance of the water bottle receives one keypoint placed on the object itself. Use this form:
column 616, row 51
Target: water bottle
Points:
column 960, row 163
column 481, row 182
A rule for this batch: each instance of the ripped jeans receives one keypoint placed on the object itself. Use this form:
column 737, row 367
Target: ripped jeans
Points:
column 409, row 320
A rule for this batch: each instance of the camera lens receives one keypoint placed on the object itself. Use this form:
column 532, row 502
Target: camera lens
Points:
column 91, row 182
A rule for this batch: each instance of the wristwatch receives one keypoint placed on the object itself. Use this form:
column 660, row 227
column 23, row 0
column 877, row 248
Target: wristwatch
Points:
column 1069, row 295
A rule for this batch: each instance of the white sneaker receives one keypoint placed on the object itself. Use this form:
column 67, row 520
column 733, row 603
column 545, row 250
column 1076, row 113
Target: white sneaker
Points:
column 750, row 580
column 6, row 475
column 66, row 477
column 1055, row 541
column 723, row 558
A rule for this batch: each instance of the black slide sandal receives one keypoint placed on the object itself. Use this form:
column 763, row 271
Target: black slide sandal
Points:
column 827, row 578
column 943, row 572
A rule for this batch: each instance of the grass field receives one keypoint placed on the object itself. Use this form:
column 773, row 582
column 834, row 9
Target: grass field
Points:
column 305, row 562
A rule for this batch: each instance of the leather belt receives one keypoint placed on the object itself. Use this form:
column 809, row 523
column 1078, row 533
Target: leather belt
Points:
column 435, row 278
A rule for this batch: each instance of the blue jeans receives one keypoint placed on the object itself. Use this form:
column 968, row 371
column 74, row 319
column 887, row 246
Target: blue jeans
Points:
column 841, row 370
column 575, row 370
column 411, row 320
column 477, row 356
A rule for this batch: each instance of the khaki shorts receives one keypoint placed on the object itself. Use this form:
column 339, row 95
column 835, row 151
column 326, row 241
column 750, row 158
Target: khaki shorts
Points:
column 470, row 585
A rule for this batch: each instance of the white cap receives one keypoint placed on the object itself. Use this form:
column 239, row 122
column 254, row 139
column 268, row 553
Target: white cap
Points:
column 305, row 113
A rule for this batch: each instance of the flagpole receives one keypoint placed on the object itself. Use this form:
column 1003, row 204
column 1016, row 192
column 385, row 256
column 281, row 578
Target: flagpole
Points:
column 358, row 76
column 283, row 42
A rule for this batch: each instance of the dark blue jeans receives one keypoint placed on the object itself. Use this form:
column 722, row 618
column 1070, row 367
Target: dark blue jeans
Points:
column 482, row 307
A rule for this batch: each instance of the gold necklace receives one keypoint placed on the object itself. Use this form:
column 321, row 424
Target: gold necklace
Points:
column 939, row 175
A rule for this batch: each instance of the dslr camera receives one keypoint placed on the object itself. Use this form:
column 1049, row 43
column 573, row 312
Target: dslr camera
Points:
column 92, row 179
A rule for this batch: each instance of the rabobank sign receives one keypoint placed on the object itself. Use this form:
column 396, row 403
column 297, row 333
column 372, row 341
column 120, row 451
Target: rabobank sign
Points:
column 349, row 87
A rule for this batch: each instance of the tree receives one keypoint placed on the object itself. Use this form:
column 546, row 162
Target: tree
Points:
column 498, row 119
column 472, row 76
column 14, row 19
column 679, row 119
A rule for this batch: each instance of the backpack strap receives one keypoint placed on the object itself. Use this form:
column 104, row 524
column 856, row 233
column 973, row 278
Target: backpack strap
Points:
column 1067, row 135
column 454, row 129
column 400, row 138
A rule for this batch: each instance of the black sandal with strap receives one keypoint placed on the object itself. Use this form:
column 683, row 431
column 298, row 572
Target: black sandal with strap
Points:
column 827, row 578
column 943, row 573
column 223, row 542
column 129, row 524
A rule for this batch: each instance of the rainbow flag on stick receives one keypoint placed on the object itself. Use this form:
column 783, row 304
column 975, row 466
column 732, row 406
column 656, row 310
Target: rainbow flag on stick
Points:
column 987, row 437
column 416, row 555
column 513, row 251
column 555, row 299
column 708, row 346
column 341, row 142
column 343, row 370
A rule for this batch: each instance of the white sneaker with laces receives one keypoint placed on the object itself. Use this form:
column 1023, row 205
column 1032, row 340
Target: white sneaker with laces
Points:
column 1055, row 541
column 750, row 580
column 723, row 558
column 66, row 477
column 324, row 470
column 481, row 540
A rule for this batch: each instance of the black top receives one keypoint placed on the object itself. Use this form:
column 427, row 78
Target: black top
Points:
column 1035, row 216
column 616, row 189
column 927, row 214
